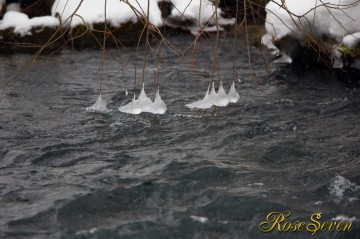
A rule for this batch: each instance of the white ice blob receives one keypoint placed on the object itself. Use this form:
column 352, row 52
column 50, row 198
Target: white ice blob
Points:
column 233, row 95
column 99, row 106
column 212, row 94
column 159, row 106
column 204, row 103
column 143, row 101
column 131, row 108
column 222, row 100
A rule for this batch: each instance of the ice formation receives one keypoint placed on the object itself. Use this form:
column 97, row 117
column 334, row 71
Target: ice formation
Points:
column 204, row 103
column 333, row 19
column 212, row 94
column 22, row 25
column 132, row 108
column 222, row 99
column 143, row 101
column 233, row 95
column 99, row 106
column 159, row 106
column 213, row 98
column 144, row 104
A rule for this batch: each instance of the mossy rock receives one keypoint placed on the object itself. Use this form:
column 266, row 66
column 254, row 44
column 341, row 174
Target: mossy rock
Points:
column 82, row 36
column 47, row 39
column 350, row 53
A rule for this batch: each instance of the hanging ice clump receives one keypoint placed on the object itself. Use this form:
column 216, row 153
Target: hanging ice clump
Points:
column 217, row 99
column 132, row 108
column 204, row 103
column 99, row 106
column 143, row 101
column 222, row 99
column 159, row 106
column 233, row 95
column 144, row 104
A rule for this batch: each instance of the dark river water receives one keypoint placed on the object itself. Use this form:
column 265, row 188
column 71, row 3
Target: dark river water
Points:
column 290, row 144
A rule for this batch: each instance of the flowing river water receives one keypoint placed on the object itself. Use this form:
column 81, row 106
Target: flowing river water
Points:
column 290, row 144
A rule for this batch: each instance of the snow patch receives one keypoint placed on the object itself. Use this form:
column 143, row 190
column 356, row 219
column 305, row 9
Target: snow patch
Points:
column 22, row 25
column 117, row 12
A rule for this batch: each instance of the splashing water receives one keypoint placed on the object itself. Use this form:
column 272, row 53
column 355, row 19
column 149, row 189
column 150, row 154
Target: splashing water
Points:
column 340, row 189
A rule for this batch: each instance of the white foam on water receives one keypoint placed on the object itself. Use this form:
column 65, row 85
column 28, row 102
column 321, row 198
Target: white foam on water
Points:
column 344, row 218
column 199, row 219
column 339, row 188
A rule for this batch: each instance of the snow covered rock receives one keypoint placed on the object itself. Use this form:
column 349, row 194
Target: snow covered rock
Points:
column 90, row 12
column 311, row 22
column 18, row 33
column 195, row 16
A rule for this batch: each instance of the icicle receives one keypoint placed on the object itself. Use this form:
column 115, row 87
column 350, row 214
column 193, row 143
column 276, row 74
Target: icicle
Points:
column 233, row 95
column 131, row 108
column 99, row 106
column 159, row 106
column 143, row 101
column 213, row 94
column 222, row 99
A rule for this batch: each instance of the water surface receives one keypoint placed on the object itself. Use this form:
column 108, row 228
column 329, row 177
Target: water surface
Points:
column 291, row 143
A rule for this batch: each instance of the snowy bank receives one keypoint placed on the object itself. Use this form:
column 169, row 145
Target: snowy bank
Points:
column 22, row 25
column 19, row 33
column 326, row 25
column 200, row 13
column 82, row 21
column 117, row 12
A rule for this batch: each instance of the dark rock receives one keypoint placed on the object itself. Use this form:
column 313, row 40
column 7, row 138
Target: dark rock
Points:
column 47, row 40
